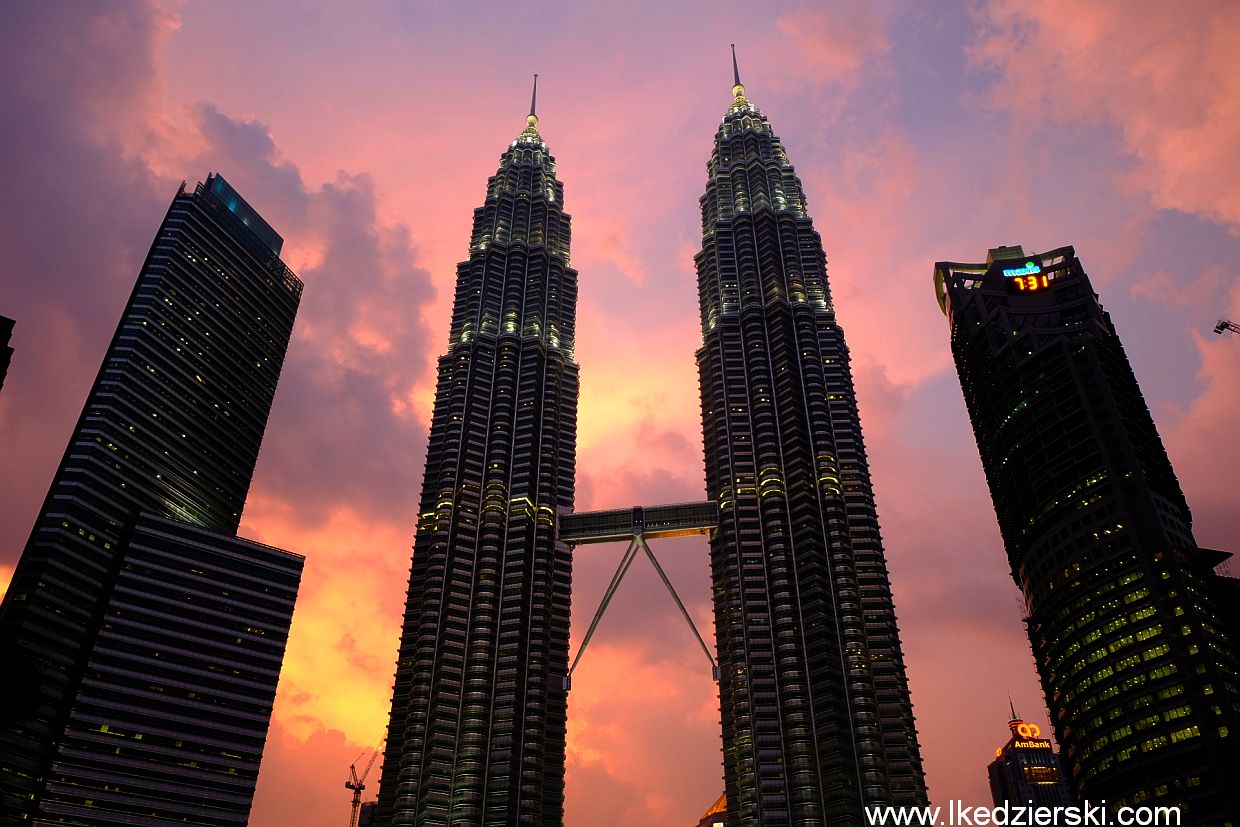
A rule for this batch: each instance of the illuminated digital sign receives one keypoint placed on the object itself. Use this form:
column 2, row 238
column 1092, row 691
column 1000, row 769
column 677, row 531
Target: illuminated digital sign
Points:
column 1025, row 736
column 1032, row 744
column 1027, row 279
column 1030, row 269
column 1028, row 284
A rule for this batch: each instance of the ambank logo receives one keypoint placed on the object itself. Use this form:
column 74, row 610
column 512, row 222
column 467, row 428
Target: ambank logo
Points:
column 1025, row 730
column 1028, row 270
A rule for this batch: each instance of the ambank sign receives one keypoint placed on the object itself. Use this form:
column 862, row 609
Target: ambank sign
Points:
column 1024, row 736
column 1025, row 730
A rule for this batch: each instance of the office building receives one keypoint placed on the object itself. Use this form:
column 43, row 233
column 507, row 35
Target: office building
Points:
column 715, row 813
column 6, row 351
column 477, row 727
column 1026, row 770
column 142, row 517
column 1133, row 653
column 816, row 715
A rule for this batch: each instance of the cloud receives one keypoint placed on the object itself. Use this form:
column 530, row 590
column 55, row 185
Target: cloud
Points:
column 76, row 220
column 835, row 40
column 340, row 469
column 1092, row 114
column 340, row 660
column 301, row 780
column 1168, row 82
column 343, row 447
column 1202, row 443
column 649, row 752
column 1177, row 289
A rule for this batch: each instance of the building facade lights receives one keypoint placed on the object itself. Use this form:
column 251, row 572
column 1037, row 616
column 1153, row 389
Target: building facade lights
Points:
column 1098, row 537
column 816, row 715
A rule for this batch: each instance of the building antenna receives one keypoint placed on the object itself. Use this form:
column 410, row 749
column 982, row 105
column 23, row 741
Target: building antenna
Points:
column 1012, row 707
column 738, row 89
column 532, row 120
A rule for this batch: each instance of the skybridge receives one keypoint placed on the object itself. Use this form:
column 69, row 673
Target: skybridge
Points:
column 637, row 525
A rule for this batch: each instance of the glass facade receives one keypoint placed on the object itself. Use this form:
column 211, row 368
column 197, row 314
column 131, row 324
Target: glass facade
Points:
column 169, row 722
column 6, row 352
column 1026, row 770
column 816, row 715
column 172, row 427
column 1134, row 654
column 477, row 728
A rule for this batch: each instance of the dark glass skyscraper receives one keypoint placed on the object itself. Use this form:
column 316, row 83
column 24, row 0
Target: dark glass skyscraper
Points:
column 815, row 705
column 1026, row 770
column 6, row 352
column 1139, row 671
column 477, row 727
column 140, row 639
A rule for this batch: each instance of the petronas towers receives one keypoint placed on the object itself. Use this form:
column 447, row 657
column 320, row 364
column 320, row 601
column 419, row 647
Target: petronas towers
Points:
column 814, row 700
column 477, row 729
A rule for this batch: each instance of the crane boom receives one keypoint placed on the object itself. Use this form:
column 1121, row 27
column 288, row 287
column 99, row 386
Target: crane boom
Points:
column 371, row 762
column 1225, row 325
column 357, row 784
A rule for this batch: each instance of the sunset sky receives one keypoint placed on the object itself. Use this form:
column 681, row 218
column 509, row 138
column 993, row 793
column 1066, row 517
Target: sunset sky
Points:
column 365, row 132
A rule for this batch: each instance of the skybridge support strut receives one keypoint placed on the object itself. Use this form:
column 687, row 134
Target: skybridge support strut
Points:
column 636, row 525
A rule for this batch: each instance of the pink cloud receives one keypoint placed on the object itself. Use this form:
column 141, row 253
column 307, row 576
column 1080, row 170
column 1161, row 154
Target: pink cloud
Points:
column 366, row 138
column 302, row 779
column 1182, row 288
column 836, row 40
column 1169, row 81
column 340, row 659
column 643, row 734
column 1202, row 443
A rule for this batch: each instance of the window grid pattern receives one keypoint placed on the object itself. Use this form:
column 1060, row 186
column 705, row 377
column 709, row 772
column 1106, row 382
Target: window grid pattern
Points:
column 1123, row 608
column 478, row 722
column 171, row 426
column 814, row 696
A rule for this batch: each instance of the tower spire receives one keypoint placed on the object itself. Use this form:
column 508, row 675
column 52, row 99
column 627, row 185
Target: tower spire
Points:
column 532, row 118
column 1012, row 707
column 738, row 88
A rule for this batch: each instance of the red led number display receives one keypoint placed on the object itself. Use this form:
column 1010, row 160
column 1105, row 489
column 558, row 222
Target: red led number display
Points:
column 1029, row 284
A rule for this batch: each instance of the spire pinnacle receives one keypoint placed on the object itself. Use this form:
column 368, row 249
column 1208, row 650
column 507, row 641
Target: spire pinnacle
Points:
column 1012, row 707
column 738, row 89
column 532, row 118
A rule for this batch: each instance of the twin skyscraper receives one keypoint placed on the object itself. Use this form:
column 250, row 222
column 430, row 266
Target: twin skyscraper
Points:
column 144, row 639
column 815, row 705
column 141, row 639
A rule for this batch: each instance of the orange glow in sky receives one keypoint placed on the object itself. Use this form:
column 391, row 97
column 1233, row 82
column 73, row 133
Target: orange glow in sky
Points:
column 365, row 133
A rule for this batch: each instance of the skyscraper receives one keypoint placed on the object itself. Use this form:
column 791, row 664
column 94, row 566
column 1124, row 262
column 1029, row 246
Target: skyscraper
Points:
column 715, row 813
column 140, row 639
column 477, row 727
column 1026, row 770
column 815, row 705
column 6, row 352
column 1138, row 669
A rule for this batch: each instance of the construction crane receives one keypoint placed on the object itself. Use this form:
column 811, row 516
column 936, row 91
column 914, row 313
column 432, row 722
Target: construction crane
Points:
column 357, row 784
column 1225, row 325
